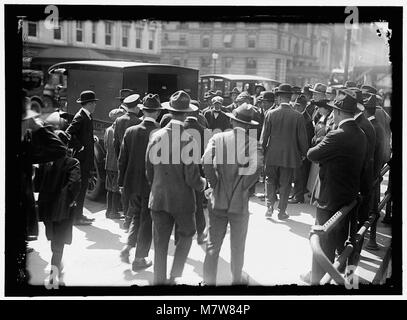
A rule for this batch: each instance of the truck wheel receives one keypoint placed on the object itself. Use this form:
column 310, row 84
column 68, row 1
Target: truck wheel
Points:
column 96, row 185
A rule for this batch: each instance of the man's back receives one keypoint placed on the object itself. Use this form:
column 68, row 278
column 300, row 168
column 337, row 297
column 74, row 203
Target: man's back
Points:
column 121, row 124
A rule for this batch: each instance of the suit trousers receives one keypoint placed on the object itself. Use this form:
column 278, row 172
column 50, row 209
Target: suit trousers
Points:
column 300, row 180
column 218, row 222
column 140, row 230
column 80, row 200
column 163, row 223
column 126, row 206
column 334, row 240
column 278, row 178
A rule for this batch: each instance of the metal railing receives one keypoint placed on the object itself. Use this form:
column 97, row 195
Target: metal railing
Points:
column 352, row 249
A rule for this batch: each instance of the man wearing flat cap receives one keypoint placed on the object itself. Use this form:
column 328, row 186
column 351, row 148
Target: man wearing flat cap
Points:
column 229, row 194
column 284, row 141
column 216, row 118
column 133, row 180
column 127, row 120
column 341, row 156
column 81, row 132
column 173, row 179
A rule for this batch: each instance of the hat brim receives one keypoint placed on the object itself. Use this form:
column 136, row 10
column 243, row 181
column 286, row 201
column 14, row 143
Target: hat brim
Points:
column 233, row 117
column 30, row 114
column 312, row 90
column 191, row 107
column 143, row 107
column 360, row 107
column 83, row 101
column 286, row 92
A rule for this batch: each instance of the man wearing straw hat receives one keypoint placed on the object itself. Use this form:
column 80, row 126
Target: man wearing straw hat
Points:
column 81, row 132
column 173, row 179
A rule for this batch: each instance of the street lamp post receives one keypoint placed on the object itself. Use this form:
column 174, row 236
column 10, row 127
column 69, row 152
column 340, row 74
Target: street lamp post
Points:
column 214, row 57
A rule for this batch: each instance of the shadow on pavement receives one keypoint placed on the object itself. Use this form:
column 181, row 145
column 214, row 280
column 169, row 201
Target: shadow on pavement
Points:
column 129, row 275
column 103, row 239
column 36, row 268
column 299, row 228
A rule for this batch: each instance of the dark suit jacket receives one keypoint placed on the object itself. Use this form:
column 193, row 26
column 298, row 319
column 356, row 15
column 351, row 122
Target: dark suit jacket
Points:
column 341, row 157
column 198, row 133
column 120, row 126
column 379, row 157
column 384, row 120
column 173, row 181
column 367, row 173
column 229, row 181
column 81, row 132
column 284, row 137
column 132, row 168
column 309, row 126
column 222, row 122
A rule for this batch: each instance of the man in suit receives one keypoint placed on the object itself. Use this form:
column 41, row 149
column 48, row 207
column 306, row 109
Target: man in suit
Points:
column 217, row 119
column 127, row 120
column 230, row 182
column 197, row 131
column 133, row 182
column 174, row 177
column 301, row 173
column 81, row 132
column 318, row 94
column 367, row 173
column 285, row 144
column 379, row 149
column 341, row 156
column 233, row 95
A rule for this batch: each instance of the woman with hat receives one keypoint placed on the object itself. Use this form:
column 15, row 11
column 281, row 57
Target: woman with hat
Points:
column 173, row 179
column 229, row 193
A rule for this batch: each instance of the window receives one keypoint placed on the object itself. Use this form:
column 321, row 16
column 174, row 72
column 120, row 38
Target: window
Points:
column 279, row 41
column 139, row 33
column 151, row 39
column 278, row 65
column 227, row 62
column 125, row 36
column 251, row 65
column 251, row 41
column 176, row 61
column 324, row 51
column 108, row 33
column 93, row 32
column 182, row 40
column 205, row 41
column 205, row 62
column 183, row 25
column 227, row 41
column 32, row 29
column 79, row 27
column 166, row 36
column 58, row 31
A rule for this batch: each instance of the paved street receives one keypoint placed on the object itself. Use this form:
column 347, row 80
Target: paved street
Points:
column 277, row 252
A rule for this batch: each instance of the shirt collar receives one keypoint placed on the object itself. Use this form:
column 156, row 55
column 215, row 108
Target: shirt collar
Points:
column 124, row 107
column 371, row 118
column 345, row 120
column 177, row 122
column 358, row 115
column 149, row 119
column 87, row 112
column 191, row 117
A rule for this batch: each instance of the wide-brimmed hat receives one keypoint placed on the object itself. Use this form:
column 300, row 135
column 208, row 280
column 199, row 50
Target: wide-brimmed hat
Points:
column 242, row 96
column 324, row 104
column 235, row 90
column 151, row 102
column 195, row 103
column 318, row 88
column 124, row 93
column 284, row 88
column 87, row 96
column 345, row 101
column 306, row 89
column 330, row 90
column 244, row 114
column 259, row 85
column 350, row 84
column 115, row 113
column 370, row 102
column 180, row 101
column 266, row 96
column 359, row 98
column 132, row 101
column 217, row 99
column 368, row 89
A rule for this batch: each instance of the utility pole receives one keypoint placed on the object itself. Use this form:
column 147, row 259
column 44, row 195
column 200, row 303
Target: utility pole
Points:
column 347, row 52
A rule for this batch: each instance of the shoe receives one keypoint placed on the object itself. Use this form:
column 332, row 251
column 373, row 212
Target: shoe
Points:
column 295, row 200
column 32, row 238
column 283, row 216
column 171, row 281
column 201, row 239
column 269, row 212
column 116, row 216
column 141, row 263
column 107, row 214
column 124, row 256
column 82, row 222
column 88, row 219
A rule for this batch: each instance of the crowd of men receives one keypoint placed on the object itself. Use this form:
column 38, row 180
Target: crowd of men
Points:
column 329, row 142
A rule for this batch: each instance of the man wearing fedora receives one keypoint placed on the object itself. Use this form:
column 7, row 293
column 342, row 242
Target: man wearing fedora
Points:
column 174, row 180
column 285, row 144
column 215, row 117
column 133, row 181
column 233, row 95
column 230, row 182
column 318, row 94
column 341, row 155
column 258, row 89
column 81, row 132
column 127, row 120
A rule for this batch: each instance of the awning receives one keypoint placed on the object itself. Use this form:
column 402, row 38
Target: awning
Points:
column 71, row 53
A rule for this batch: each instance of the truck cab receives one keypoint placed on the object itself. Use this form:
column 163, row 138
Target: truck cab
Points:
column 106, row 78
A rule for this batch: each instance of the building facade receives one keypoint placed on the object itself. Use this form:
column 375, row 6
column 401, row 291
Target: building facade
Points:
column 297, row 54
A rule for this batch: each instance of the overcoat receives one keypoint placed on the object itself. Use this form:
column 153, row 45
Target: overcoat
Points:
column 121, row 124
